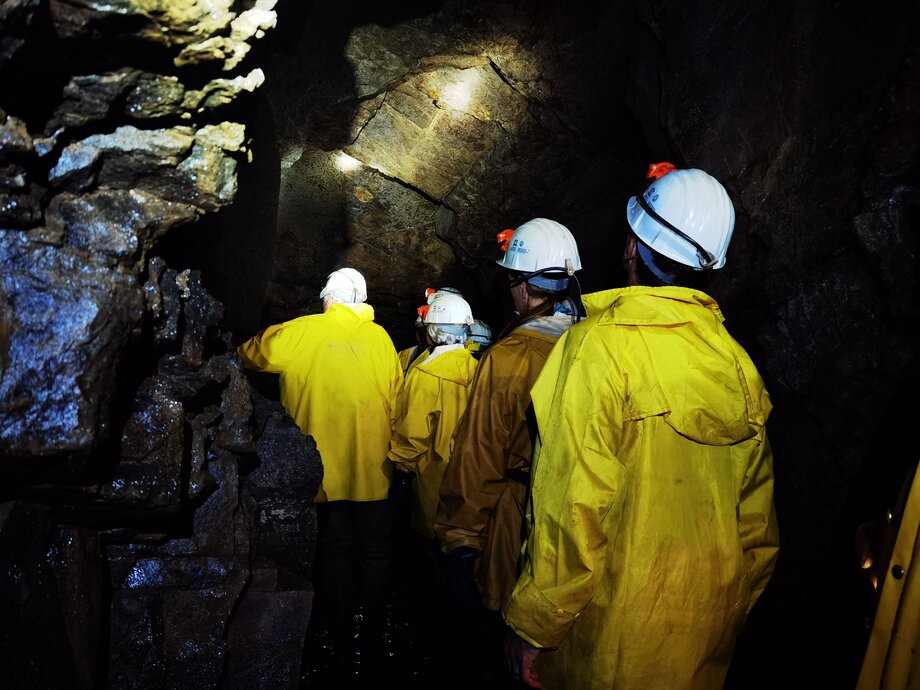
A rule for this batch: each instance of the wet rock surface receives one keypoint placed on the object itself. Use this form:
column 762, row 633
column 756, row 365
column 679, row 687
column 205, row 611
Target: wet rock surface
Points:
column 136, row 550
column 66, row 318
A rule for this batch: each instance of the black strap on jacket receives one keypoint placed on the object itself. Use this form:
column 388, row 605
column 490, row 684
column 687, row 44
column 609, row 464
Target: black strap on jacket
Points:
column 412, row 355
column 519, row 475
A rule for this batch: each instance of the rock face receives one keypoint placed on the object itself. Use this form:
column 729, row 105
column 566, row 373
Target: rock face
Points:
column 189, row 168
column 148, row 525
column 66, row 319
column 451, row 124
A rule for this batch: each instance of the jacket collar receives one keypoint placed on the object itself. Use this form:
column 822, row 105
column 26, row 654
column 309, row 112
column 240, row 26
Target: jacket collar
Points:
column 644, row 304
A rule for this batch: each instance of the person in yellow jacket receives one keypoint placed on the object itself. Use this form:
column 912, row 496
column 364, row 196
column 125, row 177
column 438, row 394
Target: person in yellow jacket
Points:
column 339, row 379
column 411, row 356
column 651, row 526
column 891, row 661
column 430, row 405
column 485, row 485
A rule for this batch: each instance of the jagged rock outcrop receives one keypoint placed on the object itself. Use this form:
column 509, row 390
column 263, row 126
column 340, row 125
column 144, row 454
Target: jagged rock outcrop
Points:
column 137, row 552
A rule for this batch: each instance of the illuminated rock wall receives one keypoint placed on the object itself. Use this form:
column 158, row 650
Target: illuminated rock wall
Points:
column 156, row 521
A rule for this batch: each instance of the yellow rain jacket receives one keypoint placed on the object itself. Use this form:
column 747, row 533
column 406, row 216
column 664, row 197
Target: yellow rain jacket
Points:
column 429, row 407
column 482, row 506
column 407, row 361
column 652, row 530
column 339, row 380
column 891, row 661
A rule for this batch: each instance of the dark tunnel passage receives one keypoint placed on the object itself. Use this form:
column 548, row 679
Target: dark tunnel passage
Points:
column 173, row 180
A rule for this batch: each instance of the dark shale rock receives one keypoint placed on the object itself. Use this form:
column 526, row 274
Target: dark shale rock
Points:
column 14, row 137
column 289, row 460
column 161, row 293
column 283, row 485
column 266, row 639
column 20, row 203
column 20, row 200
column 267, row 631
column 123, row 224
column 178, row 532
column 65, row 319
column 136, row 95
column 213, row 521
column 170, row 638
column 75, row 557
column 172, row 601
column 16, row 16
column 149, row 475
column 201, row 312
column 35, row 647
column 95, row 97
column 207, row 395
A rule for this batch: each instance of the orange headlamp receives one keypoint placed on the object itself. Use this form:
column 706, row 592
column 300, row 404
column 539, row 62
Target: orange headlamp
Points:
column 429, row 292
column 659, row 170
column 504, row 237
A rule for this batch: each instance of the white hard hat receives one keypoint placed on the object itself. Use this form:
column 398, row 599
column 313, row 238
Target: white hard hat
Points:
column 345, row 285
column 431, row 293
column 541, row 245
column 685, row 215
column 480, row 332
column 449, row 308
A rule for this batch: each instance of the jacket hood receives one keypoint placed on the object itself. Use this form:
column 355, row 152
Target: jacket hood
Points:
column 352, row 315
column 684, row 365
column 455, row 364
column 553, row 325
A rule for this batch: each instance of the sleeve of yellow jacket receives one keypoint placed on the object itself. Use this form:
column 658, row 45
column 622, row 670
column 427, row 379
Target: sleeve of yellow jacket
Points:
column 475, row 476
column 567, row 538
column 416, row 412
column 757, row 521
column 272, row 349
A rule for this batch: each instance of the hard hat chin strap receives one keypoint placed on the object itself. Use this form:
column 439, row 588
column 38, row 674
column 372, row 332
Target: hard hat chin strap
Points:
column 647, row 257
column 539, row 278
column 706, row 259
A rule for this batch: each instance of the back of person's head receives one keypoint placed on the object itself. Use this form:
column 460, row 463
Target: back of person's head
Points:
column 481, row 333
column 344, row 286
column 542, row 253
column 683, row 224
column 448, row 319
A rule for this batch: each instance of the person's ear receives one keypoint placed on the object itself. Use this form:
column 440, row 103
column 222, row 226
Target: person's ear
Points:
column 630, row 251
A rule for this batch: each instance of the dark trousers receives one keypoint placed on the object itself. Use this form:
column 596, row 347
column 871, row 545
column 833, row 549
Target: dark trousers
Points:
column 356, row 544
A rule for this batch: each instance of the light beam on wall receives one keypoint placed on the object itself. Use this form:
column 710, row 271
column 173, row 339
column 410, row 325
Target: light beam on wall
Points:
column 458, row 94
column 346, row 163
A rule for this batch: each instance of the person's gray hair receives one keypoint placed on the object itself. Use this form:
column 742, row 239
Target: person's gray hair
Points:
column 448, row 333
